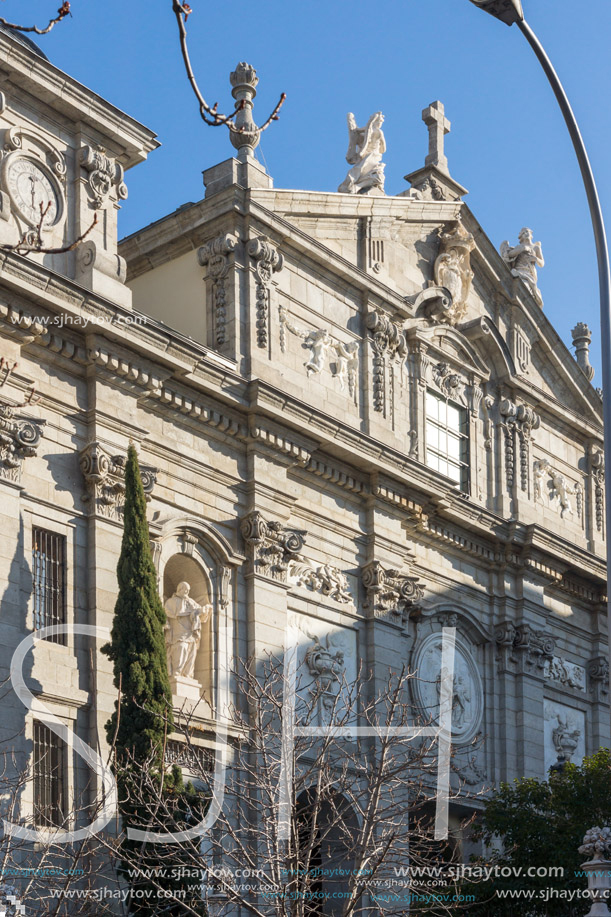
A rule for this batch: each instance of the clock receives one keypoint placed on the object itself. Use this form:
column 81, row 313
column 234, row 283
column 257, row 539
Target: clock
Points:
column 32, row 190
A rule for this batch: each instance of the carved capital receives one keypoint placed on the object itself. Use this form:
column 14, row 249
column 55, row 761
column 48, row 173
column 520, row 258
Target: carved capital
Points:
column 270, row 546
column 105, row 480
column 104, row 174
column 521, row 644
column 598, row 676
column 390, row 593
column 19, row 439
column 213, row 255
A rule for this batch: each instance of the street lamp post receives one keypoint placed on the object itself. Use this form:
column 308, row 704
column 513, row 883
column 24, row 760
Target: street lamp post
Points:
column 510, row 12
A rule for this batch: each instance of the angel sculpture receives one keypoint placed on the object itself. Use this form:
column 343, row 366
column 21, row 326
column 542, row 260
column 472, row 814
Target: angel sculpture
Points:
column 366, row 148
column 524, row 259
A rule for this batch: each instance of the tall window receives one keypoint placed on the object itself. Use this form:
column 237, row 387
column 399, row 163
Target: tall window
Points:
column 447, row 439
column 49, row 580
column 49, row 766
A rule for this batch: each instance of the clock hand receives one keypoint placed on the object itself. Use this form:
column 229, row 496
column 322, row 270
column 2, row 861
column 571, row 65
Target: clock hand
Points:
column 33, row 191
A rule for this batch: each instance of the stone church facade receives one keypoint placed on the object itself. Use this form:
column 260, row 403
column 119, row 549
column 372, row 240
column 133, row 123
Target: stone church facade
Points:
column 354, row 419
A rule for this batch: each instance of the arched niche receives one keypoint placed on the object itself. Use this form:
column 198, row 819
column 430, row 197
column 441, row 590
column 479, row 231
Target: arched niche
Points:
column 185, row 568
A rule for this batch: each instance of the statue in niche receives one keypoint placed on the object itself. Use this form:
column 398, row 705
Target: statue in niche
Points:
column 565, row 739
column 366, row 148
column 183, row 631
column 524, row 259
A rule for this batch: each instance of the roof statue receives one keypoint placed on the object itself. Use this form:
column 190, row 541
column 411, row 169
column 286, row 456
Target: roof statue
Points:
column 365, row 150
column 523, row 259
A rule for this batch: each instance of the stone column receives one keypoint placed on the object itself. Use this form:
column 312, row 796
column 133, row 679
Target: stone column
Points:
column 597, row 846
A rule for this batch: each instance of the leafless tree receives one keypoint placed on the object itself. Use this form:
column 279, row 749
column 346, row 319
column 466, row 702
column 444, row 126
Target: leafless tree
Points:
column 32, row 241
column 63, row 11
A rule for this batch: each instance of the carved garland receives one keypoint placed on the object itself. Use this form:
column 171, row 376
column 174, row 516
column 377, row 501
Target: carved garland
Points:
column 268, row 261
column 214, row 256
column 105, row 479
column 389, row 345
column 518, row 422
column 389, row 592
column 597, row 464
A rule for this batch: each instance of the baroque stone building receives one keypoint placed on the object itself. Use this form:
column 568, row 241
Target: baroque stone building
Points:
column 354, row 419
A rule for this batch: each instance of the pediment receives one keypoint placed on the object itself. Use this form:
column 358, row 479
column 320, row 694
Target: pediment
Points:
column 450, row 344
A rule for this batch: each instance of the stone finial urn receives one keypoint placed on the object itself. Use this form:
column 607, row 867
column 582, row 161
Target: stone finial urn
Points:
column 597, row 847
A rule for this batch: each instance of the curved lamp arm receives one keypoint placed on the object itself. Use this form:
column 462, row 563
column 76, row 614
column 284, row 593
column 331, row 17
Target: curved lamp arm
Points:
column 508, row 11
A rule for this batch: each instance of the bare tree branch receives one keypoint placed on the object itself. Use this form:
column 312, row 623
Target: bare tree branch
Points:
column 62, row 12
column 32, row 242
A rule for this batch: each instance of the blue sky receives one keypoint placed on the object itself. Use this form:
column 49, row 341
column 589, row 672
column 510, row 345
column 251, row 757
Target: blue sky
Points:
column 508, row 144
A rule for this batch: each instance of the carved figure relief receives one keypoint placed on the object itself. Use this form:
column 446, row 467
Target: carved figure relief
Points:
column 268, row 261
column 327, row 669
column 467, row 692
column 104, row 174
column 183, row 631
column 559, row 489
column 389, row 348
column 19, row 438
column 523, row 260
column 366, row 148
column 105, row 479
column 452, row 269
column 215, row 257
column 323, row 578
column 341, row 358
column 326, row 661
column 564, row 734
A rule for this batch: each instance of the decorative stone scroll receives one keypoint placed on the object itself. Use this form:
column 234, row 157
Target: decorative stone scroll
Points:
column 268, row 261
column 104, row 174
column 523, row 645
column 19, row 439
column 271, row 546
column 325, row 350
column 214, row 256
column 598, row 676
column 560, row 489
column 452, row 269
column 518, row 422
column 105, row 479
column 389, row 346
column 390, row 593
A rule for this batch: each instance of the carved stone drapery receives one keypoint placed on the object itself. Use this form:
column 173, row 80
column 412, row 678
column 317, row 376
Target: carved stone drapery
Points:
column 105, row 479
column 452, row 270
column 389, row 346
column 518, row 422
column 390, row 592
column 19, row 439
column 104, row 174
column 268, row 261
column 270, row 546
column 214, row 256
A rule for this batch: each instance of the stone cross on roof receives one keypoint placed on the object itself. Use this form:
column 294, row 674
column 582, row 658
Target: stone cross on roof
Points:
column 438, row 125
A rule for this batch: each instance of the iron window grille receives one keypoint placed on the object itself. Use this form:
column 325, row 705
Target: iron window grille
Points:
column 49, row 768
column 49, row 580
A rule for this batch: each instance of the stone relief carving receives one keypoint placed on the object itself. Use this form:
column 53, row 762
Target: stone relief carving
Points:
column 366, row 148
column 564, row 734
column 521, row 346
column 323, row 578
column 597, row 471
column 565, row 673
column 325, row 350
column 582, row 337
column 467, row 693
column 565, row 740
column 104, row 174
column 518, row 422
column 327, row 669
column 271, row 545
column 183, row 631
column 523, row 260
column 214, row 256
column 487, row 406
column 389, row 346
column 268, row 261
column 598, row 674
column 105, row 479
column 391, row 593
column 452, row 269
column 449, row 383
column 560, row 490
column 470, row 772
column 19, row 439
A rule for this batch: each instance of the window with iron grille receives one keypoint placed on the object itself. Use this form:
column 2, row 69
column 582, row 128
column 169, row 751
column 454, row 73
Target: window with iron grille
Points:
column 49, row 580
column 447, row 439
column 49, row 766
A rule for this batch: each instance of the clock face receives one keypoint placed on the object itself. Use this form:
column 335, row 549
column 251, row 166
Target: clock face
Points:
column 33, row 191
